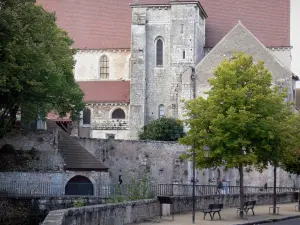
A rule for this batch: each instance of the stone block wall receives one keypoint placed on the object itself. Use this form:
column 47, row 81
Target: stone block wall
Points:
column 47, row 157
column 137, row 159
column 161, row 163
column 110, row 214
column 42, row 141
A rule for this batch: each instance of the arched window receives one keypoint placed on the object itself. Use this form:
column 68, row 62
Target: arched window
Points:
column 161, row 111
column 79, row 185
column 159, row 52
column 219, row 173
column 104, row 67
column 86, row 118
column 118, row 114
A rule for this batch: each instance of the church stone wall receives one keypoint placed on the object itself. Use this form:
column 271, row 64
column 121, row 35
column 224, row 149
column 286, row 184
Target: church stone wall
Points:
column 283, row 54
column 103, row 134
column 102, row 123
column 87, row 67
column 181, row 28
column 138, row 74
column 241, row 40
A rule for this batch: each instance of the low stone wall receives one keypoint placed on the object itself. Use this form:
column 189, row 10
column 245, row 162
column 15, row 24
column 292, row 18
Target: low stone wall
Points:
column 49, row 204
column 138, row 211
column 110, row 214
column 37, row 208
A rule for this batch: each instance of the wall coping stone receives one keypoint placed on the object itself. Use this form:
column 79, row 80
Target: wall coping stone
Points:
column 56, row 217
column 132, row 141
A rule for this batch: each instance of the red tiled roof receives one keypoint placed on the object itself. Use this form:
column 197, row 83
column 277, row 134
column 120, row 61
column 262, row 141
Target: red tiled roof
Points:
column 105, row 91
column 268, row 20
column 55, row 117
column 94, row 24
column 103, row 24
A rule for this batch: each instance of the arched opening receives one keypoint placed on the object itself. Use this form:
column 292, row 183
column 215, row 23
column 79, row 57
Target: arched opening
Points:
column 161, row 111
column 86, row 118
column 104, row 67
column 79, row 185
column 118, row 114
column 159, row 52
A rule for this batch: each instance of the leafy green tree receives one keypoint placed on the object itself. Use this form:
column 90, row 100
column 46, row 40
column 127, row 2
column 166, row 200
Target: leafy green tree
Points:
column 290, row 160
column 36, row 61
column 276, row 133
column 236, row 117
column 162, row 129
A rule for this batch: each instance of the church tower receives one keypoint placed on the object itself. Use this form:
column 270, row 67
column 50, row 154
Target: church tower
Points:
column 167, row 41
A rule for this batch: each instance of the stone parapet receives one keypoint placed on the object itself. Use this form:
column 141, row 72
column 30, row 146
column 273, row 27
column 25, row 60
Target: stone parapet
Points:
column 109, row 214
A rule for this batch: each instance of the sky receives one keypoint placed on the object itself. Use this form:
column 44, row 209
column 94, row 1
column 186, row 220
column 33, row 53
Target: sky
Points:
column 295, row 37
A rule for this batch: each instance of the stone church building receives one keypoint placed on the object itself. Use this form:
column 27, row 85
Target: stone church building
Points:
column 138, row 59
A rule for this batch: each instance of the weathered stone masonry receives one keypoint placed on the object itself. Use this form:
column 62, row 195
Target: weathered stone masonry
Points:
column 160, row 162
column 137, row 159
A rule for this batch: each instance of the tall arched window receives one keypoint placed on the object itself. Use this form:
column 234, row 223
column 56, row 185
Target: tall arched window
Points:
column 159, row 52
column 161, row 111
column 86, row 118
column 104, row 67
column 118, row 114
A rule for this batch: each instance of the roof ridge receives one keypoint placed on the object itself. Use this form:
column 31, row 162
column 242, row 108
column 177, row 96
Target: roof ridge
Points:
column 240, row 24
column 278, row 61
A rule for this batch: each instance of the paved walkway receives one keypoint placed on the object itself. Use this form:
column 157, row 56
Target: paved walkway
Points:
column 228, row 216
column 287, row 222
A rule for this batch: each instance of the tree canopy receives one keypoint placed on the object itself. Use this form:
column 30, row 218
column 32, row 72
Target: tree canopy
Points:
column 290, row 160
column 36, row 61
column 243, row 119
column 162, row 129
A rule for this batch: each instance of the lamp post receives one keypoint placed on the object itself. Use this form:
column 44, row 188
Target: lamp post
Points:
column 194, row 180
column 206, row 150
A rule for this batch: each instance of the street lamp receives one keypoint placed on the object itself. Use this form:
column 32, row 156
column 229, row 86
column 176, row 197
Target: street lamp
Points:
column 206, row 150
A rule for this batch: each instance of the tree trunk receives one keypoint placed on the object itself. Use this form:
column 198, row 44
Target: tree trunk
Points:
column 13, row 115
column 241, row 170
column 274, row 191
column 298, row 200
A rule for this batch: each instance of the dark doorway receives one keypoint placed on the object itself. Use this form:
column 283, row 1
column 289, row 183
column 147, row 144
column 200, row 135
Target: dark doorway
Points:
column 86, row 120
column 79, row 185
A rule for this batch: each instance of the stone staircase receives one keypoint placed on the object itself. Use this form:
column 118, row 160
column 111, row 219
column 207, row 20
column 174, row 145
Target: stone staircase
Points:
column 76, row 157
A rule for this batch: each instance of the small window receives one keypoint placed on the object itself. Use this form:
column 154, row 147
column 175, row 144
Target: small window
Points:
column 86, row 116
column 104, row 67
column 118, row 114
column 159, row 52
column 183, row 54
column 161, row 111
column 182, row 26
column 294, row 95
column 110, row 136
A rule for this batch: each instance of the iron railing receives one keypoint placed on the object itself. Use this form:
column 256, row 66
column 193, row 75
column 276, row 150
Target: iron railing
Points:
column 129, row 191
